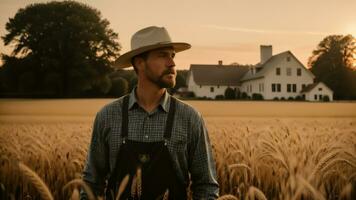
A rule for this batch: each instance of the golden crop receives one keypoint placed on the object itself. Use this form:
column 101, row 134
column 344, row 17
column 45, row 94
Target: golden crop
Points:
column 282, row 158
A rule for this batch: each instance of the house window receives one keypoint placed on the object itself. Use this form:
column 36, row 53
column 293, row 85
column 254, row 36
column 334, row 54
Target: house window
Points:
column 320, row 97
column 294, row 87
column 289, row 72
column 303, row 86
column 218, row 86
column 316, row 97
column 263, row 87
column 273, row 87
column 211, row 89
column 299, row 72
column 276, row 87
column 320, row 89
column 288, row 59
column 278, row 71
column 260, row 87
column 289, row 87
column 200, row 86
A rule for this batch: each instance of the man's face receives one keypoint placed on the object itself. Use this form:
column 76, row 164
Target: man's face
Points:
column 160, row 68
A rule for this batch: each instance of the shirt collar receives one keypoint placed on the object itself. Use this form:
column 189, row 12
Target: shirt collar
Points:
column 164, row 103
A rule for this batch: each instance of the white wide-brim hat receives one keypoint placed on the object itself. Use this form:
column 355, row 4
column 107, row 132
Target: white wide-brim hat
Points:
column 147, row 39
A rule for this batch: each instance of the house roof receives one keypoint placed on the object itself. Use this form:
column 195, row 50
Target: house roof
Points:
column 262, row 68
column 309, row 87
column 217, row 74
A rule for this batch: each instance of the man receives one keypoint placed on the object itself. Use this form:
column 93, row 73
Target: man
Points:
column 148, row 143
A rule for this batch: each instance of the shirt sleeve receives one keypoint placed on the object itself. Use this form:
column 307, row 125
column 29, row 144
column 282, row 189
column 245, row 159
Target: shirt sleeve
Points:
column 201, row 164
column 96, row 167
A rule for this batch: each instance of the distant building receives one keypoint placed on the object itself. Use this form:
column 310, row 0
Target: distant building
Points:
column 316, row 92
column 278, row 76
column 212, row 80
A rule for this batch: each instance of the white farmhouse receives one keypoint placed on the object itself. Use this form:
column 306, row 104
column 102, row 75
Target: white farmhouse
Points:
column 280, row 76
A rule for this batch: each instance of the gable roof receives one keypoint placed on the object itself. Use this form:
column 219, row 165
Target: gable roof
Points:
column 310, row 87
column 262, row 68
column 217, row 74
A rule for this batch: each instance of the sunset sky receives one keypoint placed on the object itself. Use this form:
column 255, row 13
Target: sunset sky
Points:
column 228, row 30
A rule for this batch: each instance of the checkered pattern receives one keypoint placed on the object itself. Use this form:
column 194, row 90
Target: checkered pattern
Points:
column 189, row 145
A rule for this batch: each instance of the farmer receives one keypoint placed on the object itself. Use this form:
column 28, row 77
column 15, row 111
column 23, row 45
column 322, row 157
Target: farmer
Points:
column 161, row 143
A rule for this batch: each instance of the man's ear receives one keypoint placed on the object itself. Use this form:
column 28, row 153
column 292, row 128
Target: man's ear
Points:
column 139, row 63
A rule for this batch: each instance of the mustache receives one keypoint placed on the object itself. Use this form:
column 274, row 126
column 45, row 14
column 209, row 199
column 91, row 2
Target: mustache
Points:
column 166, row 72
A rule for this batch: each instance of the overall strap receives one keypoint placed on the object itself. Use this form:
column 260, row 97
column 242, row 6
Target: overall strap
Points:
column 125, row 117
column 111, row 181
column 170, row 119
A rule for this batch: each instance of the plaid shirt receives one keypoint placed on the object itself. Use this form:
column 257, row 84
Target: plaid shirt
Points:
column 189, row 145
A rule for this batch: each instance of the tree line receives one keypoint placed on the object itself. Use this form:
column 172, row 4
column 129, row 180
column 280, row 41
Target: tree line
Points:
column 66, row 50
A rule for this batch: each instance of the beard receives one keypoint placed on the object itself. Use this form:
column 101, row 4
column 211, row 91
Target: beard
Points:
column 161, row 81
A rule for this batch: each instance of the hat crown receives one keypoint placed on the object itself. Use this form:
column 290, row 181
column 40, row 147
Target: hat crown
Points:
column 150, row 36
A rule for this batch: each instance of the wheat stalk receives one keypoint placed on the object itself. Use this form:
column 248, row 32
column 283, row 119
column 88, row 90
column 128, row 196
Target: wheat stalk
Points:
column 80, row 182
column 75, row 194
column 134, row 187
column 254, row 193
column 346, row 192
column 36, row 181
column 227, row 197
column 305, row 184
column 166, row 195
column 122, row 186
column 139, row 182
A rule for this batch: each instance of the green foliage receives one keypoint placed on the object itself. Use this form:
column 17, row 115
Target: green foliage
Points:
column 244, row 95
column 27, row 81
column 230, row 93
column 119, row 87
column 219, row 97
column 180, row 81
column 333, row 63
column 68, row 41
column 257, row 96
column 299, row 98
column 326, row 98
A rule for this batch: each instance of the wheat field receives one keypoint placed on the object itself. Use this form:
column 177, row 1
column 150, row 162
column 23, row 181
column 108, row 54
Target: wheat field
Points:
column 282, row 151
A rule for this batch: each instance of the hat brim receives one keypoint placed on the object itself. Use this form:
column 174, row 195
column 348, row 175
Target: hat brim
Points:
column 124, row 60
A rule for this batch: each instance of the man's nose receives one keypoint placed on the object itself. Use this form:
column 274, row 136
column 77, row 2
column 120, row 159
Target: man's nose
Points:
column 171, row 62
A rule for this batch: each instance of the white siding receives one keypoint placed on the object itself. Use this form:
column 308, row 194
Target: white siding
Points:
column 283, row 79
column 205, row 90
column 254, row 86
column 317, row 93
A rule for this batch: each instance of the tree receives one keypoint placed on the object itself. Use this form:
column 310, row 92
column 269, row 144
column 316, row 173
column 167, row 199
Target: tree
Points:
column 257, row 96
column 230, row 93
column 120, row 87
column 333, row 63
column 180, row 82
column 68, row 40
